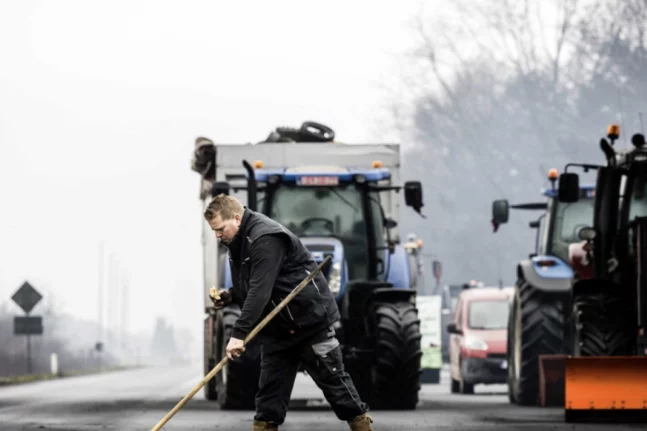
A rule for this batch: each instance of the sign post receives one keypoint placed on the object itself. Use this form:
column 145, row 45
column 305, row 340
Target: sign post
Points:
column 27, row 297
column 99, row 347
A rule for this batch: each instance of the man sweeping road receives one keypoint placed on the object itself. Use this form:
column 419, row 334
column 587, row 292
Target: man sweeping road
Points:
column 267, row 262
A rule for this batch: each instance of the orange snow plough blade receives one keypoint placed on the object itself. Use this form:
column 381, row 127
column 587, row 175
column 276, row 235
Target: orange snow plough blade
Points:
column 606, row 387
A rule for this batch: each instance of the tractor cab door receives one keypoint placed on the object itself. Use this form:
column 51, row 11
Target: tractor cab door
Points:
column 605, row 217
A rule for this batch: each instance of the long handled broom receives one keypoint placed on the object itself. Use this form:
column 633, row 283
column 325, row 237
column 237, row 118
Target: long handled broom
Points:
column 249, row 337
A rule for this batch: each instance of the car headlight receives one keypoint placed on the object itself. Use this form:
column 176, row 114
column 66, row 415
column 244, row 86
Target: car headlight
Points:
column 474, row 343
column 334, row 281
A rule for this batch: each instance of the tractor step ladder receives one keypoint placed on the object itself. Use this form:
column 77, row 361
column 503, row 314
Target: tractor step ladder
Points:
column 551, row 380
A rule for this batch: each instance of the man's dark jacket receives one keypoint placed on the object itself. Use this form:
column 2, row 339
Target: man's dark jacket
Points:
column 312, row 310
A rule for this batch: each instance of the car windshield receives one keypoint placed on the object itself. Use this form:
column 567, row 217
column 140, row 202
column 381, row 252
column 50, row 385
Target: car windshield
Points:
column 488, row 314
column 569, row 219
column 325, row 211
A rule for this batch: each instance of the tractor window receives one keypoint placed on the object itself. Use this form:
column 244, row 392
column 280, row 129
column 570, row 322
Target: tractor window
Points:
column 569, row 219
column 325, row 211
column 487, row 314
column 637, row 207
column 638, row 203
column 379, row 231
column 542, row 233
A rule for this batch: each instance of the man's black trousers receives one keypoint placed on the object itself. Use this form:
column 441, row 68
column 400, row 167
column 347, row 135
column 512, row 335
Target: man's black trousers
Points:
column 322, row 359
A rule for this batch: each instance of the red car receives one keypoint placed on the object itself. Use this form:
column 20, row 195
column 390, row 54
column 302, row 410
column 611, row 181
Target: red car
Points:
column 478, row 337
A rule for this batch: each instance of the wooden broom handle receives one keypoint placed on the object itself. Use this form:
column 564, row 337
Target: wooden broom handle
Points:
column 249, row 337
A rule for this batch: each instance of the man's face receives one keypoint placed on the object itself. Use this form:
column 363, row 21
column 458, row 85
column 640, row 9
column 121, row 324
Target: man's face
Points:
column 225, row 229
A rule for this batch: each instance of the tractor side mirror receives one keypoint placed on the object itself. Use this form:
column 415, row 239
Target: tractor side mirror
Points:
column 569, row 187
column 453, row 329
column 500, row 211
column 220, row 187
column 413, row 195
column 389, row 223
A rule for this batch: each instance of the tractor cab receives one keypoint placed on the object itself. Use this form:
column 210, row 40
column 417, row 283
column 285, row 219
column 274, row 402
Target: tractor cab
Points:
column 620, row 218
column 334, row 211
column 559, row 224
column 337, row 211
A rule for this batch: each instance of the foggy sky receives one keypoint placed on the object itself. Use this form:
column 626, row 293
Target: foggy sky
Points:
column 100, row 104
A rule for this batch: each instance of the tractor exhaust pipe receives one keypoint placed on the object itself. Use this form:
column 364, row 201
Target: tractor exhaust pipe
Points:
column 251, row 186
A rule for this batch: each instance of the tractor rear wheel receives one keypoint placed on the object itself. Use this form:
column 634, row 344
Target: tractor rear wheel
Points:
column 237, row 382
column 603, row 325
column 536, row 327
column 397, row 368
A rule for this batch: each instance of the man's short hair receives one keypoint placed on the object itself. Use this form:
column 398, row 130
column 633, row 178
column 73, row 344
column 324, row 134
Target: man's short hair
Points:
column 225, row 205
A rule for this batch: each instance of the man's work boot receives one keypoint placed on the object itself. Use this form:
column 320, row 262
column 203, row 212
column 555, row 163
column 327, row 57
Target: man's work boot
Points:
column 264, row 426
column 361, row 423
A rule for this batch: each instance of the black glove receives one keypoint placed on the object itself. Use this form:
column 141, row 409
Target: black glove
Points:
column 225, row 298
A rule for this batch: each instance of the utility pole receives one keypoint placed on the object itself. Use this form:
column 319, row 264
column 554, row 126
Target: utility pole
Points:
column 100, row 302
column 124, row 311
column 116, row 290
column 112, row 264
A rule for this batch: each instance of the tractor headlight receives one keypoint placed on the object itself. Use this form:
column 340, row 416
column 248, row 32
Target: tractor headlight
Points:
column 334, row 281
column 474, row 343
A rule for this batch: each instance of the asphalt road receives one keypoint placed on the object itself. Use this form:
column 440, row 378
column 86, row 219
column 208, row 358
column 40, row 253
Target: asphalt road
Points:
column 138, row 399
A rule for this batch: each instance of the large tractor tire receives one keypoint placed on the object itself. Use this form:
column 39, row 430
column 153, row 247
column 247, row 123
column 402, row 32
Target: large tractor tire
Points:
column 396, row 372
column 603, row 325
column 209, row 361
column 535, row 327
column 237, row 382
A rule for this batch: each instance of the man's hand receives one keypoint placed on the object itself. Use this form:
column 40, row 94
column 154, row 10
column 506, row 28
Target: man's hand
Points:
column 220, row 298
column 234, row 348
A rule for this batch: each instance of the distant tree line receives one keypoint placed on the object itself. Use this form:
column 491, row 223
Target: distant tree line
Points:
column 74, row 341
column 13, row 354
column 524, row 91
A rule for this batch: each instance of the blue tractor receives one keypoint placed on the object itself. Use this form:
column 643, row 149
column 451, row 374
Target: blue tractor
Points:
column 339, row 212
column 539, row 313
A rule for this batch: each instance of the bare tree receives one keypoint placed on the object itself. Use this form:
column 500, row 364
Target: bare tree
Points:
column 509, row 90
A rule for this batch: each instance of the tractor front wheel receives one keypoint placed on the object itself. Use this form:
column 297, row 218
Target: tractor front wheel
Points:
column 396, row 371
column 237, row 382
column 208, row 360
column 535, row 327
column 603, row 325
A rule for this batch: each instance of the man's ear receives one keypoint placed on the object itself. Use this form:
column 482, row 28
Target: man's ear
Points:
column 238, row 219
